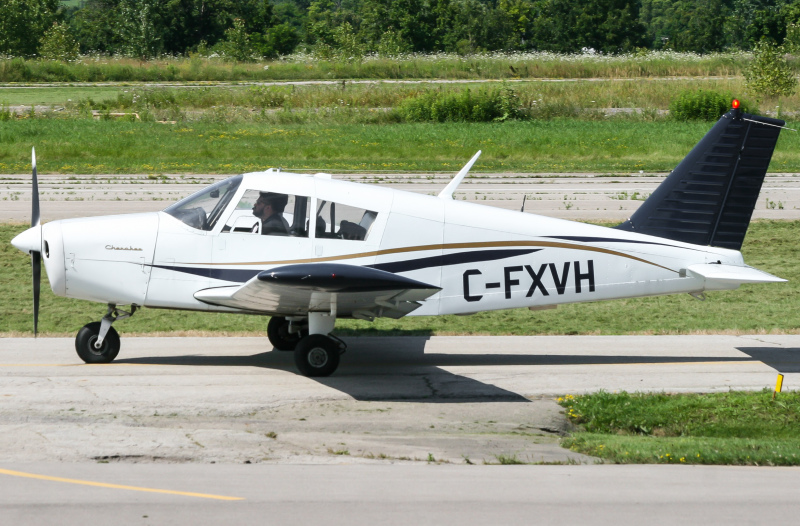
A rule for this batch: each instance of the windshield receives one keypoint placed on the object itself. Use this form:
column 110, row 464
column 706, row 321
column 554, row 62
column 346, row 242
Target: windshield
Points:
column 203, row 209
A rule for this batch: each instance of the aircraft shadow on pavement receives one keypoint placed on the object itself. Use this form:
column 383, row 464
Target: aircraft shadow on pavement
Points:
column 781, row 359
column 396, row 369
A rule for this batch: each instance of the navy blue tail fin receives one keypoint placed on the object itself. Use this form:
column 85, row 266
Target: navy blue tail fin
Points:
column 709, row 198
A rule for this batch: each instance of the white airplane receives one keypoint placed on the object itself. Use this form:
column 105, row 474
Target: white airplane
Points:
column 307, row 249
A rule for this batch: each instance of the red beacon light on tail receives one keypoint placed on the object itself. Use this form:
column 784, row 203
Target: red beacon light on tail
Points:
column 735, row 104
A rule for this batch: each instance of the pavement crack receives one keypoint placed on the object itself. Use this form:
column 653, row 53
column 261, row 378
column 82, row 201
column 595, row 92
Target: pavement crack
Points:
column 759, row 340
column 430, row 386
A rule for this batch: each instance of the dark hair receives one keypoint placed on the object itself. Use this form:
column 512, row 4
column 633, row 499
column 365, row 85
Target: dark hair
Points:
column 276, row 201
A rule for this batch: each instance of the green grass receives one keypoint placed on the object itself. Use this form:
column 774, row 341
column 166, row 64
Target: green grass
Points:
column 741, row 428
column 770, row 245
column 57, row 95
column 560, row 145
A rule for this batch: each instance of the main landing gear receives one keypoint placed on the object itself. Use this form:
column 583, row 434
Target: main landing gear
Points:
column 316, row 351
column 98, row 342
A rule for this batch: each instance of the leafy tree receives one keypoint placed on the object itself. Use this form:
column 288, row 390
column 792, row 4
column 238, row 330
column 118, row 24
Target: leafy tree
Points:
column 324, row 16
column 257, row 15
column 236, row 45
column 517, row 16
column 392, row 44
column 460, row 25
column 58, row 44
column 23, row 24
column 792, row 42
column 752, row 20
column 769, row 74
column 567, row 26
column 95, row 26
column 685, row 25
column 281, row 39
column 139, row 29
column 414, row 21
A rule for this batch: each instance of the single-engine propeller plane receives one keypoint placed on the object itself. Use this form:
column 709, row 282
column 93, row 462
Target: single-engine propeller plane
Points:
column 307, row 249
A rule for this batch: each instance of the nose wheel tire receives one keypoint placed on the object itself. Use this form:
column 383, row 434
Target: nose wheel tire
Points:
column 86, row 338
column 317, row 355
column 279, row 335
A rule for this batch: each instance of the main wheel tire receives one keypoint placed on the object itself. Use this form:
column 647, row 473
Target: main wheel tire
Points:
column 84, row 344
column 279, row 335
column 317, row 355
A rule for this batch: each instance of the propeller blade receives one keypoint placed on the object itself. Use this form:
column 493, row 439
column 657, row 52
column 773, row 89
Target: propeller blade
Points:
column 36, row 263
column 36, row 255
column 34, row 192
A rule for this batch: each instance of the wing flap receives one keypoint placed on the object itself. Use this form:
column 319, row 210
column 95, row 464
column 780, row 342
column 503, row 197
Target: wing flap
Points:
column 733, row 274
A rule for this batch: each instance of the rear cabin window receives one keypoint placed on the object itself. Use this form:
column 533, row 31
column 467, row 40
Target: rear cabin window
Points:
column 338, row 221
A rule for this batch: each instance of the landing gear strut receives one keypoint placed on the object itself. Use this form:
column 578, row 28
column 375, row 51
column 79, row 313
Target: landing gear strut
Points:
column 98, row 342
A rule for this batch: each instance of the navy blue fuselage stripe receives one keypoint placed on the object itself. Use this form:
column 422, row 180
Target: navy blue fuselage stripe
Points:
column 226, row 274
column 584, row 239
column 244, row 275
column 451, row 259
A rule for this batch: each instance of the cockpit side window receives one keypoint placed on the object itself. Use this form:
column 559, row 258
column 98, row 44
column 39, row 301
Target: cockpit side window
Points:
column 270, row 213
column 339, row 221
column 203, row 209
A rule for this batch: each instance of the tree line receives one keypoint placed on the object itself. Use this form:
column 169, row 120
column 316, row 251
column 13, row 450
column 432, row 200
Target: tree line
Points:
column 249, row 29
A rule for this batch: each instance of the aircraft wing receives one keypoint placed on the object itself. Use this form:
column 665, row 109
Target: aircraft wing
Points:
column 346, row 290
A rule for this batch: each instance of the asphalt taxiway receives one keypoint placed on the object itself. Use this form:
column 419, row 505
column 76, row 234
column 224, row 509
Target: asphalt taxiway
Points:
column 222, row 429
column 367, row 495
column 394, row 399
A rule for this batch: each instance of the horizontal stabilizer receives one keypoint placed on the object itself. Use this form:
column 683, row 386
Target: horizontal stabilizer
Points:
column 733, row 274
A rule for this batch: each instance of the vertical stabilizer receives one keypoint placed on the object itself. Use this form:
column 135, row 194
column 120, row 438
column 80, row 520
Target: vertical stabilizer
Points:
column 709, row 198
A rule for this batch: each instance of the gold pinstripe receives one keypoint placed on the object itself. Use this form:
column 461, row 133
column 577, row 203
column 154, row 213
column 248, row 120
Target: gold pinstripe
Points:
column 442, row 246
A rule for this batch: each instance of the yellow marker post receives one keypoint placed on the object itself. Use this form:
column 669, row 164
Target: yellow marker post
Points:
column 778, row 386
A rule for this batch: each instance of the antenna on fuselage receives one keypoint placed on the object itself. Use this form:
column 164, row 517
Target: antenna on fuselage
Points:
column 524, row 196
column 447, row 193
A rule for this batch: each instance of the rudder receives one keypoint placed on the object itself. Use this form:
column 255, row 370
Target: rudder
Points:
column 709, row 198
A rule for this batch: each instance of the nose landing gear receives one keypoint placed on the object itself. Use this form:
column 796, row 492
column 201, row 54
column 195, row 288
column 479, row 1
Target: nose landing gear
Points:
column 98, row 342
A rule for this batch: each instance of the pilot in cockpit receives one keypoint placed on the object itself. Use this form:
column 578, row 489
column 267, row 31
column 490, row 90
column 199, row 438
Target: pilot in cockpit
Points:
column 269, row 208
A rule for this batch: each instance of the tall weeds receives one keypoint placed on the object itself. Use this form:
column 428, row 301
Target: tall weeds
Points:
column 412, row 66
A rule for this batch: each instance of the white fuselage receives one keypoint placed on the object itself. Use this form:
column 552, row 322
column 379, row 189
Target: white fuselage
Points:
column 483, row 258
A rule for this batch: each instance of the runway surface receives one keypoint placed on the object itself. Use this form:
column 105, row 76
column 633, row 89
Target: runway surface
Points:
column 402, row 495
column 176, row 426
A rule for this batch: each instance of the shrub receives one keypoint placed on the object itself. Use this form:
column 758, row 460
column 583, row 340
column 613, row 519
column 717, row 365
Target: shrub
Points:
column 465, row 106
column 704, row 105
column 15, row 70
